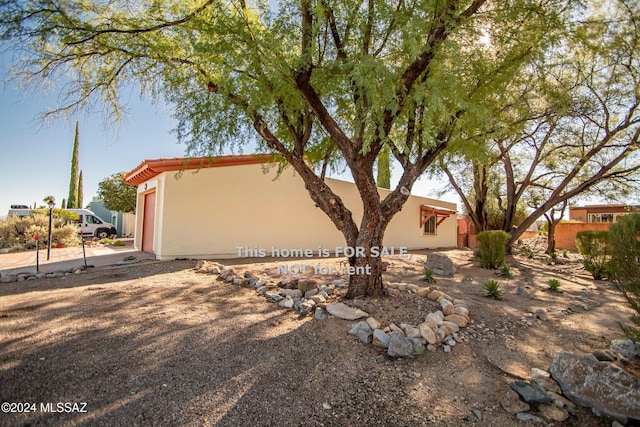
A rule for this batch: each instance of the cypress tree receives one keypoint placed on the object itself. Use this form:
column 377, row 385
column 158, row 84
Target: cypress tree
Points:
column 384, row 169
column 79, row 201
column 72, row 201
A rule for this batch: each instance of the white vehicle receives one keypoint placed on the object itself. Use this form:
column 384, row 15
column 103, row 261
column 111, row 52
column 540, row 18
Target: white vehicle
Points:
column 88, row 223
column 91, row 225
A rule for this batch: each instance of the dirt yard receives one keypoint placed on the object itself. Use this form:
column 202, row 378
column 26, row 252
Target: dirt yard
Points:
column 159, row 344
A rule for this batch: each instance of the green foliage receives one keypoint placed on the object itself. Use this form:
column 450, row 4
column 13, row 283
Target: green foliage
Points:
column 624, row 266
column 111, row 242
column 493, row 289
column 80, row 192
column 505, row 271
column 116, row 195
column 19, row 232
column 428, row 276
column 554, row 285
column 73, row 199
column 594, row 247
column 492, row 246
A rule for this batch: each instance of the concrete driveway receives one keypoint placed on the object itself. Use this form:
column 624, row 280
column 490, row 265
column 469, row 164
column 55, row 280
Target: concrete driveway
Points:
column 68, row 258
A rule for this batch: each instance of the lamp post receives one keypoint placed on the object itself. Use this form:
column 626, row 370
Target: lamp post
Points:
column 51, row 205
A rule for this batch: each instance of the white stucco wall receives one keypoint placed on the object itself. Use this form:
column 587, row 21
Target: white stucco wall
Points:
column 207, row 214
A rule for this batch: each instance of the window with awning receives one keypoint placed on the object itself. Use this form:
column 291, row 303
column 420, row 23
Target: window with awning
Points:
column 431, row 217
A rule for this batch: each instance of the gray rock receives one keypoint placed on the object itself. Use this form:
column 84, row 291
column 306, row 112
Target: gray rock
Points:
column 310, row 293
column 522, row 292
column 478, row 414
column 273, row 296
column 293, row 293
column 381, row 338
column 603, row 387
column 319, row 313
column 326, row 289
column 379, row 359
column 343, row 311
column 359, row 326
column 418, row 345
column 365, row 336
column 446, row 348
column 625, row 347
column 524, row 417
column 432, row 348
column 530, row 393
column 541, row 314
column 400, row 346
column 440, row 264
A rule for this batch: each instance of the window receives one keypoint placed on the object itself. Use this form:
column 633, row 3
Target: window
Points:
column 603, row 217
column 430, row 226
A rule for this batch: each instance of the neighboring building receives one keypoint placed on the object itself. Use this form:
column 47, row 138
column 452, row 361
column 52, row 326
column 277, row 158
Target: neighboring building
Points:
column 124, row 222
column 207, row 207
column 601, row 213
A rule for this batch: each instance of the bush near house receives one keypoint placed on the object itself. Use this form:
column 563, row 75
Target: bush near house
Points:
column 594, row 248
column 624, row 266
column 492, row 246
column 18, row 233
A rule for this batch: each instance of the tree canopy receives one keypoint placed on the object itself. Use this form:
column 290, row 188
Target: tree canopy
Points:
column 116, row 195
column 568, row 126
column 318, row 81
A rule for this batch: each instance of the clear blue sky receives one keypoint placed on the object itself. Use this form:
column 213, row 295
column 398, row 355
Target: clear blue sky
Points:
column 36, row 156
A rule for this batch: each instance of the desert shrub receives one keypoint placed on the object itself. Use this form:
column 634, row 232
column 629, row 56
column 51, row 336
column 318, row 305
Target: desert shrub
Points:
column 624, row 266
column 492, row 246
column 594, row 248
column 19, row 233
column 428, row 276
column 493, row 289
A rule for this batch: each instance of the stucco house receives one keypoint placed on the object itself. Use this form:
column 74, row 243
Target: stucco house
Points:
column 209, row 207
column 601, row 213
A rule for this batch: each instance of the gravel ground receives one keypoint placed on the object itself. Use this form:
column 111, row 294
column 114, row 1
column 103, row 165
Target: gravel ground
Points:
column 158, row 344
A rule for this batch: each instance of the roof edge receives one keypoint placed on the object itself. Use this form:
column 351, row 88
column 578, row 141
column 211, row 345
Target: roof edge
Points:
column 150, row 168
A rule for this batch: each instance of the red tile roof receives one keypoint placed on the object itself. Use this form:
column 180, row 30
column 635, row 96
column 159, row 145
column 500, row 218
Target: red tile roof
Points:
column 150, row 168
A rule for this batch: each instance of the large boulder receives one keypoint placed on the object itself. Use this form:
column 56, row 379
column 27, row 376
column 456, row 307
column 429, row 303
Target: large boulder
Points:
column 606, row 388
column 440, row 264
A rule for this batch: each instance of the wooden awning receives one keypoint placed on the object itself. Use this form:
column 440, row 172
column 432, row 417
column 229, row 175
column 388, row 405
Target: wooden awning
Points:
column 428, row 212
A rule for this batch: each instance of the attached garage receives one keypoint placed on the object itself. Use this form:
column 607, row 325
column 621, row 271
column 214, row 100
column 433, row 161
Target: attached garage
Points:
column 209, row 207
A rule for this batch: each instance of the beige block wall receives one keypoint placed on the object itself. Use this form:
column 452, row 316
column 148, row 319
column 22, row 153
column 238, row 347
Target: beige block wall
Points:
column 208, row 213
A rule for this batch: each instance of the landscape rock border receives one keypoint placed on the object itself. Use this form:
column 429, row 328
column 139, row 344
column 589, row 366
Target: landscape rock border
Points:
column 439, row 328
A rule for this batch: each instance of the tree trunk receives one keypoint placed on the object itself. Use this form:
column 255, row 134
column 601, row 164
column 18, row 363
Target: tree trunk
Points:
column 551, row 237
column 365, row 279
column 481, row 218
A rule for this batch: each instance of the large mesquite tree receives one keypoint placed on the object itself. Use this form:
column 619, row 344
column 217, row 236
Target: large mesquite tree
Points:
column 316, row 80
column 568, row 127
